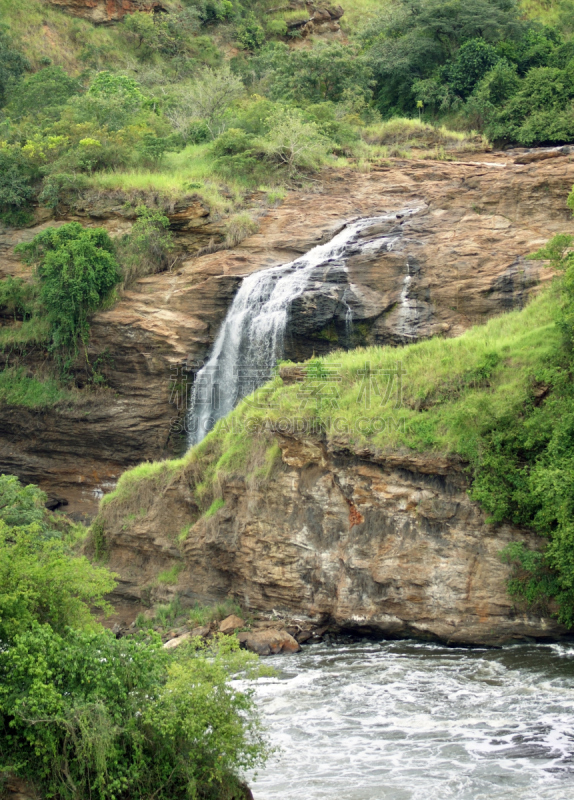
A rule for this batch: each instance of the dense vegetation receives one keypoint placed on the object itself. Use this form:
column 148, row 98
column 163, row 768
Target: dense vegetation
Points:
column 83, row 714
column 155, row 103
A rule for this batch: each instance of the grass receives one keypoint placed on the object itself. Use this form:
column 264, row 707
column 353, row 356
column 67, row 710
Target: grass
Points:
column 17, row 389
column 31, row 332
column 204, row 615
column 169, row 576
column 401, row 132
column 44, row 32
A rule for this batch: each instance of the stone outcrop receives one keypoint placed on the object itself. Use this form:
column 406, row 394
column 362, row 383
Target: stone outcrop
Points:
column 464, row 253
column 386, row 545
column 104, row 12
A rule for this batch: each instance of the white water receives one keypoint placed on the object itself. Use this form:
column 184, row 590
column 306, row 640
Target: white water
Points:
column 416, row 721
column 251, row 339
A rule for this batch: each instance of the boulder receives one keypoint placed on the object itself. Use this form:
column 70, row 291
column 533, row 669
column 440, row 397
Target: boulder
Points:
column 202, row 631
column 231, row 624
column 268, row 642
column 177, row 641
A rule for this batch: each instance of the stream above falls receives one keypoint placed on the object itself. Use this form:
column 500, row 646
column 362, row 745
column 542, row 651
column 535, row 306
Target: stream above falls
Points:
column 405, row 720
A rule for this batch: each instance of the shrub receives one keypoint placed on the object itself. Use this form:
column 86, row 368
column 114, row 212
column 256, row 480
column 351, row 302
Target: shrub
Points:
column 42, row 93
column 146, row 249
column 250, row 34
column 295, row 143
column 17, row 178
column 83, row 714
column 212, row 94
column 17, row 297
column 77, row 271
column 12, row 64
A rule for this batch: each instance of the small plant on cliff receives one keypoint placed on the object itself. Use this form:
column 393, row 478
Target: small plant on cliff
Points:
column 147, row 248
column 77, row 272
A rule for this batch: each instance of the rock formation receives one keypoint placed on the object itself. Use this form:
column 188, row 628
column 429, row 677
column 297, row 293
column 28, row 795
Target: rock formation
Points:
column 464, row 254
column 385, row 545
column 104, row 12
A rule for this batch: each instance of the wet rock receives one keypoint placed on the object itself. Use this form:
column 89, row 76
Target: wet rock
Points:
column 268, row 642
column 231, row 624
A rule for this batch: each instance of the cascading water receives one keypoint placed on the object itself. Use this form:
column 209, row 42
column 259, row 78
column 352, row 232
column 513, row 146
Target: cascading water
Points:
column 251, row 339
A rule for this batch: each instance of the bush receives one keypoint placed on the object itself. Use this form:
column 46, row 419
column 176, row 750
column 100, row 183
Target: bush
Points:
column 295, row 143
column 12, row 64
column 83, row 714
column 146, row 249
column 77, row 272
column 42, row 93
column 17, row 178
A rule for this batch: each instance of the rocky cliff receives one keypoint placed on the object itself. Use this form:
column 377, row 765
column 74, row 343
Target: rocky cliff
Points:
column 385, row 545
column 460, row 259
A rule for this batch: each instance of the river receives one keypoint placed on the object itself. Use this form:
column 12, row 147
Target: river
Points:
column 405, row 720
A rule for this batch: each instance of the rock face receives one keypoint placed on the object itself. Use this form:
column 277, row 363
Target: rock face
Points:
column 104, row 12
column 460, row 259
column 388, row 546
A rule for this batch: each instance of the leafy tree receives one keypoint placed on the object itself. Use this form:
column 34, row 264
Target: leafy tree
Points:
column 474, row 59
column 418, row 37
column 77, row 271
column 112, row 100
column 212, row 94
column 295, row 143
column 42, row 93
column 324, row 73
column 83, row 714
column 22, row 505
column 12, row 64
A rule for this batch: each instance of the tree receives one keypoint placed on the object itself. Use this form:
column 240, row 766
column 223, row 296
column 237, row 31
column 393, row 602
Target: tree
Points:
column 42, row 93
column 77, row 271
column 211, row 95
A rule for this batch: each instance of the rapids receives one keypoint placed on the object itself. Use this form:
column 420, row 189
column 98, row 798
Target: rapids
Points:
column 405, row 720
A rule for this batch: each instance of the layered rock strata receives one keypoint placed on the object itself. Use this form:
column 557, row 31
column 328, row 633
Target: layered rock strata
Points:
column 460, row 259
column 387, row 545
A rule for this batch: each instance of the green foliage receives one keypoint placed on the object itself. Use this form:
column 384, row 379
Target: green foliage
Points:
column 83, row 714
column 12, row 64
column 17, row 297
column 146, row 249
column 41, row 581
column 77, row 271
column 88, row 715
column 42, row 93
column 16, row 184
column 250, row 34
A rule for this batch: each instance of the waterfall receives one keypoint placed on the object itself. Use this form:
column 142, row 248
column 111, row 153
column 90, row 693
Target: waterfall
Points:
column 251, row 338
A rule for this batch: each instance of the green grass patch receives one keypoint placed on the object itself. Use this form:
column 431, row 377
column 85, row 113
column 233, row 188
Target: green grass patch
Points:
column 17, row 389
column 214, row 507
column 169, row 576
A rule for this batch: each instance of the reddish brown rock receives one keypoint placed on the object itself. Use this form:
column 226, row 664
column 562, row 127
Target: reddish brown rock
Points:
column 231, row 624
column 104, row 12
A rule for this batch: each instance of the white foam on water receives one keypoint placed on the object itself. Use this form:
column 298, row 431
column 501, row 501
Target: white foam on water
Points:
column 415, row 721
